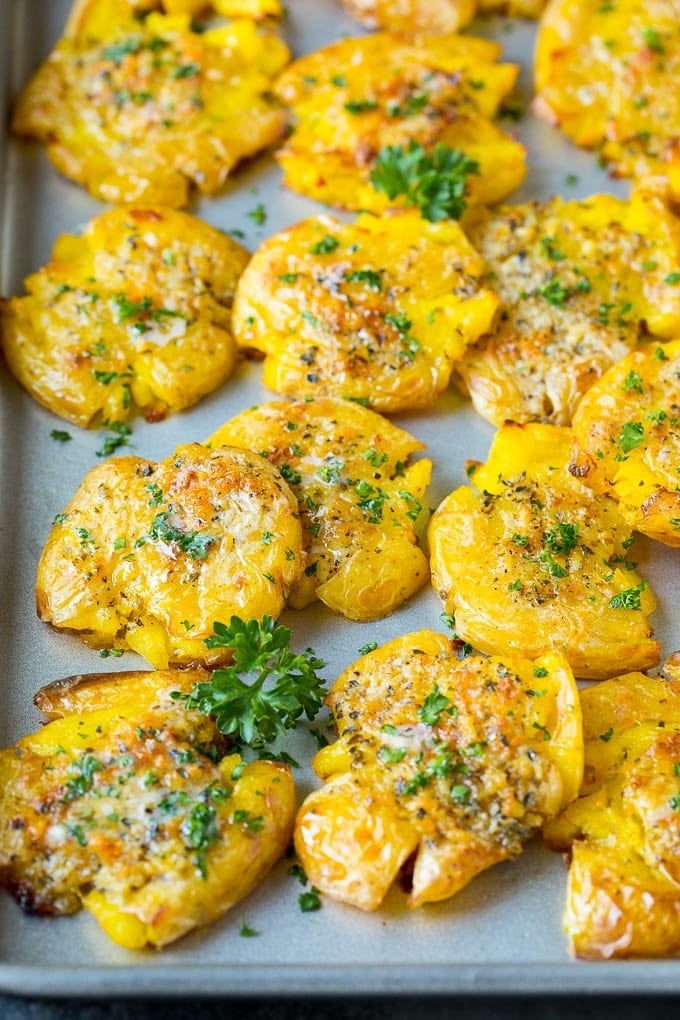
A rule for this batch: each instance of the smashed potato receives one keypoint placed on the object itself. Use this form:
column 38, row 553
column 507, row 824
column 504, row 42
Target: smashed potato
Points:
column 456, row 761
column 125, row 804
column 532, row 562
column 136, row 311
column 352, row 99
column 579, row 283
column 359, row 501
column 152, row 108
column 413, row 15
column 147, row 556
column 94, row 18
column 628, row 432
column 433, row 15
column 623, row 833
column 606, row 75
column 377, row 311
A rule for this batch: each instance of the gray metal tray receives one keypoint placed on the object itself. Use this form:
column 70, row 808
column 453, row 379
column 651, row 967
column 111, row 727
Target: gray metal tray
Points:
column 502, row 933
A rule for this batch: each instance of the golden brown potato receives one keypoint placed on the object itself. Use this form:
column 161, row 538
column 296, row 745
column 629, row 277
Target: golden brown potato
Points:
column 151, row 109
column 443, row 16
column 352, row 99
column 359, row 500
column 147, row 556
column 136, row 311
column 377, row 311
column 94, row 18
column 532, row 562
column 579, row 283
column 623, row 832
column 413, row 15
column 456, row 761
column 606, row 74
column 126, row 804
column 628, row 435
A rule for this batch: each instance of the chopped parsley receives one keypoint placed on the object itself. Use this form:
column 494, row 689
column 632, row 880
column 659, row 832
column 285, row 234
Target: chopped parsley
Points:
column 633, row 381
column 325, row 246
column 652, row 40
column 258, row 215
column 200, row 831
column 370, row 646
column 629, row 598
column 310, row 900
column 357, row 106
column 550, row 249
column 193, row 543
column 369, row 277
column 186, row 71
column 433, row 706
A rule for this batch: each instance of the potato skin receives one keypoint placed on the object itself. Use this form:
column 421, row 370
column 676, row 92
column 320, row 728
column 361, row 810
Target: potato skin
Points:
column 606, row 76
column 531, row 562
column 149, row 109
column 628, row 439
column 147, row 556
column 135, row 311
column 623, row 832
column 407, row 89
column 359, row 500
column 377, row 311
column 580, row 282
column 445, row 757
column 130, row 808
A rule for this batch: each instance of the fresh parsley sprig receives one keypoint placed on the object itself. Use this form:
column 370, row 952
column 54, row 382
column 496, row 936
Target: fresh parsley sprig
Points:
column 436, row 183
column 265, row 690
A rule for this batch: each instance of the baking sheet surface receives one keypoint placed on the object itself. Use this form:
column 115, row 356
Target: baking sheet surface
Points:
column 503, row 932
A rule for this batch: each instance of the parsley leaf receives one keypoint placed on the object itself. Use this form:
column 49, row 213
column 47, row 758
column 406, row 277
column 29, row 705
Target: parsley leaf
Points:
column 436, row 183
column 433, row 706
column 236, row 696
column 631, row 435
column 629, row 598
column 309, row 901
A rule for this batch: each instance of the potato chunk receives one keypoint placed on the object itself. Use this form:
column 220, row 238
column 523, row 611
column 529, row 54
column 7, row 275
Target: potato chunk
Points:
column 351, row 99
column 457, row 761
column 359, row 501
column 147, row 556
column 579, row 283
column 433, row 15
column 532, row 562
column 627, row 428
column 126, row 804
column 377, row 311
column 137, row 310
column 606, row 74
column 150, row 108
column 623, row 832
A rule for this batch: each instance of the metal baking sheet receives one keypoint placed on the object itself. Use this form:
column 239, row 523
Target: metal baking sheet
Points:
column 502, row 933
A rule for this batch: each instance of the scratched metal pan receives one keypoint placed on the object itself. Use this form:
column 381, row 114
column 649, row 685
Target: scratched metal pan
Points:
column 501, row 934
